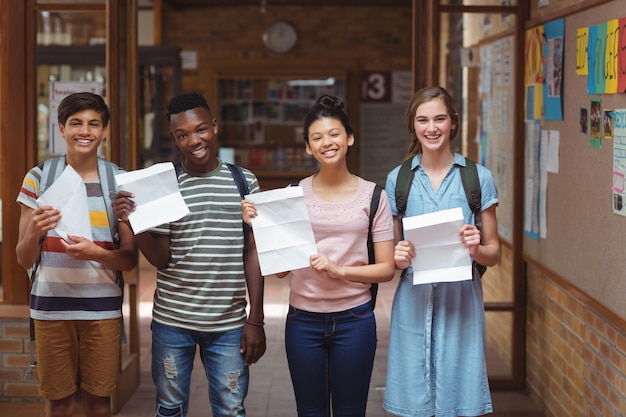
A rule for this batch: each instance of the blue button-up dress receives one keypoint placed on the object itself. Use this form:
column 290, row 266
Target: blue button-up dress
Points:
column 436, row 361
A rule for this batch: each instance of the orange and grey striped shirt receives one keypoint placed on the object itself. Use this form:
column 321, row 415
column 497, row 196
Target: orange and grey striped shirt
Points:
column 66, row 288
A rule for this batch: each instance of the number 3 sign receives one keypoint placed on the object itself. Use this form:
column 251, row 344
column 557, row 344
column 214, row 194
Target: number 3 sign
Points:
column 376, row 87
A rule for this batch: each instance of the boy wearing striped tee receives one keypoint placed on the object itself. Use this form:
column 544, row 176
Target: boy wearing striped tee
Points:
column 75, row 300
column 204, row 269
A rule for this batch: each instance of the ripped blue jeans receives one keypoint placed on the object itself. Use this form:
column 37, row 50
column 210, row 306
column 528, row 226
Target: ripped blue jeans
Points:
column 173, row 353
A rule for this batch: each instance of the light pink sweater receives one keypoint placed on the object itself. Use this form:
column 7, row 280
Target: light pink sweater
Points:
column 340, row 230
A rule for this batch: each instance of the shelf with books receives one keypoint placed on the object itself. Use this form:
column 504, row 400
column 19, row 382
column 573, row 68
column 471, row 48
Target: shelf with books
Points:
column 261, row 120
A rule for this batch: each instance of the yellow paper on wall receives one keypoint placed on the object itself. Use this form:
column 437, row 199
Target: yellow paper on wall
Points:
column 611, row 54
column 582, row 39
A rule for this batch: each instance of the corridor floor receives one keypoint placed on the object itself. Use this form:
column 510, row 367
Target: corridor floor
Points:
column 270, row 393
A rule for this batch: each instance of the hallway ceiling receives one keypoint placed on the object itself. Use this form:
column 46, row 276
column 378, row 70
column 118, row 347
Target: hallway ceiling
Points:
column 182, row 4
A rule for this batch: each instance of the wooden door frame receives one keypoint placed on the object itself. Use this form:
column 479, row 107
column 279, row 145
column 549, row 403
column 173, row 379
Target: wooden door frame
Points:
column 14, row 129
column 18, row 135
column 122, row 98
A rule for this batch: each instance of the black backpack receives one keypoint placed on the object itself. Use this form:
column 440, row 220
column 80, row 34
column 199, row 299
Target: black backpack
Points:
column 471, row 185
column 370, row 244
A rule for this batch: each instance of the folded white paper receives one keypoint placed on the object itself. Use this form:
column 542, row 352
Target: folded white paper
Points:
column 68, row 194
column 439, row 254
column 282, row 230
column 157, row 196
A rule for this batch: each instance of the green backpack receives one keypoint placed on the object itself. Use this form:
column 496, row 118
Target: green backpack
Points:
column 471, row 185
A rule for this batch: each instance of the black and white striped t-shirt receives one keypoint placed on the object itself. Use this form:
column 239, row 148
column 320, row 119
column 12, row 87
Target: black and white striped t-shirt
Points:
column 204, row 288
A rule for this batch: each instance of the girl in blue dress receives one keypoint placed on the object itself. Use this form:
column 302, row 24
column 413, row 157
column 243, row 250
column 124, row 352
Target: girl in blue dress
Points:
column 436, row 362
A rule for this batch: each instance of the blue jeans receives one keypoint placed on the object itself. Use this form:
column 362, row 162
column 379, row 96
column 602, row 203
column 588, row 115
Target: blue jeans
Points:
column 330, row 358
column 173, row 352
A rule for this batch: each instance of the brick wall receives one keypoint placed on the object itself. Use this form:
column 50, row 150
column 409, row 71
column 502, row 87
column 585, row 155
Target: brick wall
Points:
column 575, row 353
column 576, row 356
column 331, row 38
column 15, row 356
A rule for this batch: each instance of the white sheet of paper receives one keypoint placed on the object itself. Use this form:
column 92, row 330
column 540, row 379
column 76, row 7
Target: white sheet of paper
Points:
column 157, row 196
column 553, row 151
column 543, row 187
column 282, row 230
column 69, row 194
column 440, row 255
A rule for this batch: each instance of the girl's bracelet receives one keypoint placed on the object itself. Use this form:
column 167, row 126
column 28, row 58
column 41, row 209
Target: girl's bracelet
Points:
column 251, row 323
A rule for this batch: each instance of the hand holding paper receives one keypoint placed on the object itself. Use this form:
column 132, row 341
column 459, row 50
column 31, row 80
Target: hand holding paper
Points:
column 68, row 194
column 157, row 196
column 82, row 249
column 440, row 255
column 282, row 230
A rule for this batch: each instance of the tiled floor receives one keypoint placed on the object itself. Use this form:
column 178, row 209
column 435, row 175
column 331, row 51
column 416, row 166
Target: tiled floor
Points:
column 270, row 393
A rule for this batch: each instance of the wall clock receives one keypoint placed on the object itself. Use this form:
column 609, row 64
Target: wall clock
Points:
column 280, row 37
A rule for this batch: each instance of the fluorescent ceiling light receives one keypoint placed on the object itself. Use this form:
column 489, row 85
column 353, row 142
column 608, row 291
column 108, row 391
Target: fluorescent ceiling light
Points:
column 326, row 82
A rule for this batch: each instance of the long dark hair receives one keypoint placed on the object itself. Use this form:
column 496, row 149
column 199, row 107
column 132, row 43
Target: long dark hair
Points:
column 423, row 96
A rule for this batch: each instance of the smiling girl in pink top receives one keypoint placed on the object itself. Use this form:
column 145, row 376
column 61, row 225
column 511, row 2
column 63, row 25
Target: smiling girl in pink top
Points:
column 330, row 333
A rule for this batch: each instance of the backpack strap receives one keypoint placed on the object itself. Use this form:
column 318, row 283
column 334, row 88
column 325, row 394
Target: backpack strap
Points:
column 244, row 189
column 109, row 189
column 51, row 169
column 403, row 185
column 240, row 179
column 471, row 185
column 370, row 243
column 373, row 209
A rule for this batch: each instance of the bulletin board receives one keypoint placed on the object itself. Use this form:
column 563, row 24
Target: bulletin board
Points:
column 585, row 239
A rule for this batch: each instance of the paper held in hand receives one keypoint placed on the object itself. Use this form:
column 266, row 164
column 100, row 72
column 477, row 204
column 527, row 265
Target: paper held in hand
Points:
column 157, row 196
column 282, row 230
column 439, row 254
column 68, row 194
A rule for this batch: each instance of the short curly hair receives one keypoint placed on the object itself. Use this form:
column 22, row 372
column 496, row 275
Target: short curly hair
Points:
column 184, row 102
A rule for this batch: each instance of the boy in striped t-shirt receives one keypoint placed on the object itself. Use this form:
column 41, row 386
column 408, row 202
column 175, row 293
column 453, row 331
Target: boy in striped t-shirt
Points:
column 204, row 268
column 75, row 299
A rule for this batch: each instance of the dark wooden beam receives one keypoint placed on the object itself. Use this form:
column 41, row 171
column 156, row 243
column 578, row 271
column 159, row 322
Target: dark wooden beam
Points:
column 14, row 148
column 183, row 4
